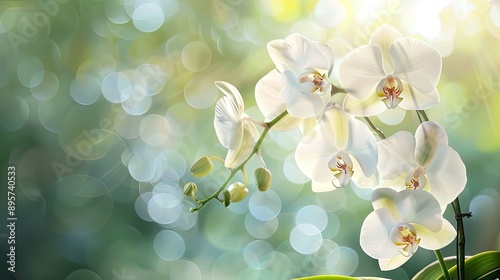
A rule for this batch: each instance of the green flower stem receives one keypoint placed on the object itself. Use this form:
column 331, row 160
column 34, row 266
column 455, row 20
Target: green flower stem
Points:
column 460, row 239
column 439, row 256
column 423, row 114
column 460, row 225
column 374, row 128
column 240, row 167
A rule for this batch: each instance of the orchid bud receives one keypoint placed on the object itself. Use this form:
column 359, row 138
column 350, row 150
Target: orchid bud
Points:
column 190, row 189
column 238, row 191
column 263, row 177
column 202, row 167
column 227, row 198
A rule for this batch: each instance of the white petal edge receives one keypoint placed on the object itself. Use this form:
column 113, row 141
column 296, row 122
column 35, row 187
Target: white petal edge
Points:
column 375, row 235
column 417, row 63
column 390, row 264
column 396, row 155
column 385, row 198
column 233, row 93
column 428, row 136
column 415, row 100
column 418, row 206
column 382, row 38
column 362, row 146
column 369, row 106
column 313, row 154
column 361, row 70
column 431, row 240
column 446, row 174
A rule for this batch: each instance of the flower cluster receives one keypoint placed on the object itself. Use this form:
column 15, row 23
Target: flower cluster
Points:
column 413, row 177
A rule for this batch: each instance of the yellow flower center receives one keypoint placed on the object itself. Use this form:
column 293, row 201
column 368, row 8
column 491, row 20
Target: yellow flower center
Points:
column 390, row 88
column 314, row 82
column 341, row 166
column 416, row 179
column 404, row 236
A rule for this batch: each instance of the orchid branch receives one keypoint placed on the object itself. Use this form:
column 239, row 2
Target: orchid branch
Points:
column 442, row 264
column 234, row 171
column 374, row 128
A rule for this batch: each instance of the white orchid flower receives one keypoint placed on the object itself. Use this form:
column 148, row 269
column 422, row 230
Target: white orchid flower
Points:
column 268, row 98
column 337, row 150
column 400, row 223
column 233, row 127
column 303, row 67
column 390, row 71
column 424, row 161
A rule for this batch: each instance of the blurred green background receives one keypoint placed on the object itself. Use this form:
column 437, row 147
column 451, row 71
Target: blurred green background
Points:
column 104, row 105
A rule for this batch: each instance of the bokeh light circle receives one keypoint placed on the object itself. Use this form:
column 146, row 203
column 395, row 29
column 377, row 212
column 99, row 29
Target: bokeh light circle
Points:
column 260, row 229
column 200, row 93
column 85, row 89
column 306, row 238
column 312, row 214
column 148, row 17
column 14, row 112
column 114, row 85
column 28, row 67
column 184, row 269
column 342, row 261
column 141, row 167
column 258, row 254
column 264, row 206
column 47, row 87
column 196, row 56
column 169, row 245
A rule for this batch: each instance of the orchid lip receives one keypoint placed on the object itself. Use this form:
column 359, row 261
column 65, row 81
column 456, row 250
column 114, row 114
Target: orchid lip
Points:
column 416, row 179
column 341, row 166
column 404, row 236
column 390, row 88
column 318, row 82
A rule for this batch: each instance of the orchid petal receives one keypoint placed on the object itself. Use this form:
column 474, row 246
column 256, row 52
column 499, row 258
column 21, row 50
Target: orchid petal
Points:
column 417, row 63
column 385, row 199
column 236, row 101
column 322, row 187
column 370, row 105
column 362, row 146
column 375, row 235
column 296, row 53
column 390, row 264
column 242, row 144
column 306, row 125
column 268, row 98
column 434, row 240
column 313, row 154
column 298, row 104
column 428, row 136
column 419, row 207
column 362, row 181
column 393, row 116
column 447, row 175
column 383, row 37
column 267, row 93
column 335, row 126
column 225, row 121
column 396, row 158
column 361, row 70
column 415, row 100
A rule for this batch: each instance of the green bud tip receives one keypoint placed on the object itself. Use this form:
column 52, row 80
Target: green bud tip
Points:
column 227, row 198
column 238, row 191
column 263, row 177
column 202, row 167
column 190, row 189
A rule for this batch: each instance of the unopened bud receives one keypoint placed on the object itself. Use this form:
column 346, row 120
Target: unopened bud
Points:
column 238, row 191
column 190, row 188
column 227, row 198
column 202, row 167
column 263, row 177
